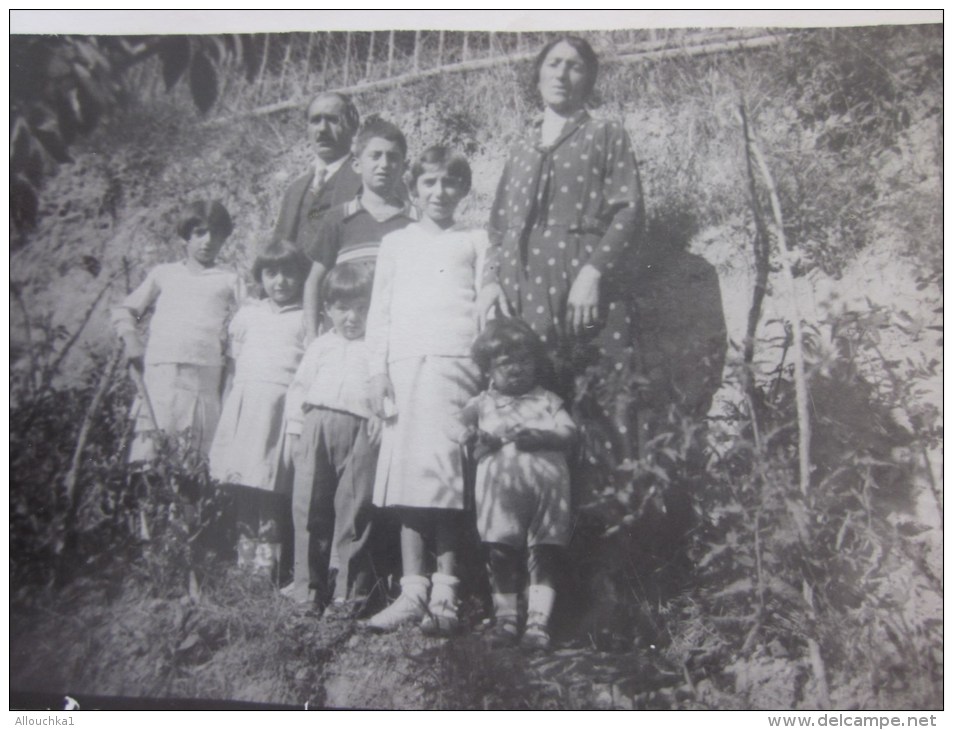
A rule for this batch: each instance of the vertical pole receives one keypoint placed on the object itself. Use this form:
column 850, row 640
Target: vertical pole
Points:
column 264, row 65
column 347, row 57
column 440, row 50
column 284, row 68
column 466, row 46
column 490, row 41
column 370, row 56
column 324, row 61
column 416, row 51
column 307, row 59
column 390, row 54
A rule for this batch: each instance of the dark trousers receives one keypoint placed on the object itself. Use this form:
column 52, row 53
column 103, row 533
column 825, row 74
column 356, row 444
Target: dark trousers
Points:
column 332, row 504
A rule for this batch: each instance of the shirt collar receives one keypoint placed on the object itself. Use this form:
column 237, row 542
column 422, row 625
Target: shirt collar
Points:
column 329, row 168
column 281, row 309
column 355, row 206
column 571, row 124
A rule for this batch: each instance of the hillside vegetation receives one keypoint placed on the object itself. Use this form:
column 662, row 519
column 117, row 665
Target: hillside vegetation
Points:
column 715, row 572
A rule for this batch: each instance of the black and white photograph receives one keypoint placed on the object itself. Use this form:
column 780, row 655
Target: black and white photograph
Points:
column 476, row 360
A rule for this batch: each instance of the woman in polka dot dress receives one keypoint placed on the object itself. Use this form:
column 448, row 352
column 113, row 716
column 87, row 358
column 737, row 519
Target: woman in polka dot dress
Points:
column 568, row 210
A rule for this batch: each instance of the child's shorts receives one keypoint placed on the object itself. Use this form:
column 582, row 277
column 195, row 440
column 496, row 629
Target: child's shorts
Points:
column 523, row 498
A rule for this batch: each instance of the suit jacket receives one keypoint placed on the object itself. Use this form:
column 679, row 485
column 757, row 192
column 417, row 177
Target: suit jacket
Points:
column 294, row 222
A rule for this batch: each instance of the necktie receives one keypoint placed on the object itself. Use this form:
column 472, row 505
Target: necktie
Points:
column 319, row 179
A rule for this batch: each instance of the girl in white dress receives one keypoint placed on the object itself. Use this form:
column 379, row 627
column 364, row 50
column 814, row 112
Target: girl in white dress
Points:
column 422, row 322
column 265, row 345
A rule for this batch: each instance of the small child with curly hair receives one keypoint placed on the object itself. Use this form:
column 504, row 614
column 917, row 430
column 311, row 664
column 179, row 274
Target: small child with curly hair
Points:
column 522, row 434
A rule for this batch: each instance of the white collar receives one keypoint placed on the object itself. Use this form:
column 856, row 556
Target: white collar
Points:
column 329, row 168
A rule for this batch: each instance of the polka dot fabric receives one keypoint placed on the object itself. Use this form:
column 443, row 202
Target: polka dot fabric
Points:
column 558, row 208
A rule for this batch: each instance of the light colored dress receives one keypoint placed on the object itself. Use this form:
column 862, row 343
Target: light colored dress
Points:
column 421, row 325
column 522, row 497
column 267, row 343
column 184, row 354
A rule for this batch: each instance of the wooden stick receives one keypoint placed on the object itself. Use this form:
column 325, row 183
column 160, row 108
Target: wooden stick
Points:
column 324, row 60
column 347, row 58
column 307, row 58
column 370, row 57
column 762, row 254
column 72, row 476
column 143, row 392
column 797, row 342
column 390, row 53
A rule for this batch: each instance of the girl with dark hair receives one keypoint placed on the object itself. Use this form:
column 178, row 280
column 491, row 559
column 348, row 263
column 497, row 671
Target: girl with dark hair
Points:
column 265, row 345
column 182, row 365
column 567, row 213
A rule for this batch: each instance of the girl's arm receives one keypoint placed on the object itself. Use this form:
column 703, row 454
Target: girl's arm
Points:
column 233, row 347
column 125, row 317
column 378, row 332
column 311, row 299
column 298, row 390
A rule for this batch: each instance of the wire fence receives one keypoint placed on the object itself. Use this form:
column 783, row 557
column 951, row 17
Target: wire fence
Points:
column 293, row 66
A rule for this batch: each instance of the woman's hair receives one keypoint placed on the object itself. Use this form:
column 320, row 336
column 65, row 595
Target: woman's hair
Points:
column 582, row 47
column 379, row 128
column 208, row 213
column 280, row 253
column 348, row 281
column 352, row 118
column 443, row 157
column 509, row 336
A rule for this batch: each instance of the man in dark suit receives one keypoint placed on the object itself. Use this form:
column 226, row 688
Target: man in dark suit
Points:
column 332, row 122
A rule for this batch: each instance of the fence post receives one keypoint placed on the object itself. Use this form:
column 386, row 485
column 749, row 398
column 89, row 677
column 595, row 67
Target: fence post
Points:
column 264, row 65
column 284, row 69
column 492, row 51
column 347, row 57
column 440, row 50
column 370, row 57
column 416, row 51
column 466, row 46
column 390, row 54
column 307, row 59
column 324, row 62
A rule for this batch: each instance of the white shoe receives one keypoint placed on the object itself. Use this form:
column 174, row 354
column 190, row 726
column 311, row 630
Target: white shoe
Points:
column 409, row 608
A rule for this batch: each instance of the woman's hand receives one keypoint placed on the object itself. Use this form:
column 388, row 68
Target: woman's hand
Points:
column 582, row 306
column 490, row 295
column 380, row 389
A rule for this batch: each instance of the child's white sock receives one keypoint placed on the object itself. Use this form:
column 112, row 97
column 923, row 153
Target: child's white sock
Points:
column 415, row 588
column 540, row 604
column 443, row 594
column 506, row 606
